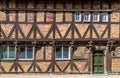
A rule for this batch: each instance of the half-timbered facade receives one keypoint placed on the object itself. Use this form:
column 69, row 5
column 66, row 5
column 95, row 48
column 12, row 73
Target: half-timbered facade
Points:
column 66, row 36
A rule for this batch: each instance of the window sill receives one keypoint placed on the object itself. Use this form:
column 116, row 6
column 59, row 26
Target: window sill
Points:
column 86, row 21
column 96, row 21
column 9, row 59
column 62, row 59
column 77, row 21
column 104, row 21
column 25, row 59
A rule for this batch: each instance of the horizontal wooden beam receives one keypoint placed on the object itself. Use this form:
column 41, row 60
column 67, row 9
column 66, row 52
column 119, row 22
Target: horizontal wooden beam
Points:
column 56, row 10
column 66, row 40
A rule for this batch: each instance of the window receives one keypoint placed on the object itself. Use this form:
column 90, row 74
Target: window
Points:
column 87, row 17
column 95, row 17
column 26, row 52
column 8, row 52
column 77, row 16
column 62, row 53
column 104, row 17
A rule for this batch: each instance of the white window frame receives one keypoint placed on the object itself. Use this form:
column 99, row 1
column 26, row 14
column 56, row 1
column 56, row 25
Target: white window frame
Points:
column 8, row 53
column 105, row 17
column 62, row 53
column 87, row 17
column 26, row 53
column 96, row 17
column 77, row 17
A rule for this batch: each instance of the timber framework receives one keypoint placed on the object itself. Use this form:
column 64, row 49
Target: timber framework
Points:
column 67, row 36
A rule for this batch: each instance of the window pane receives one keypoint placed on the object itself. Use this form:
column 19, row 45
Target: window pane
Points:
column 77, row 17
column 29, row 52
column 66, row 52
column 105, row 17
column 95, row 17
column 58, row 52
column 11, row 51
column 87, row 17
column 4, row 51
column 22, row 52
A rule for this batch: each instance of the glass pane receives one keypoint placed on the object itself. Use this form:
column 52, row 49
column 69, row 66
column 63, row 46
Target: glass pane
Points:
column 77, row 17
column 66, row 52
column 22, row 52
column 58, row 52
column 4, row 51
column 29, row 52
column 11, row 51
column 87, row 17
column 105, row 17
column 96, row 17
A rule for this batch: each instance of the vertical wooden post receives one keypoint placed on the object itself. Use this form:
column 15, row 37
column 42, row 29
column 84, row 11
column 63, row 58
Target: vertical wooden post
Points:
column 71, row 56
column 53, row 57
column 16, row 21
column 90, row 61
column 17, row 56
column 108, row 58
column 90, row 69
column 108, row 62
column 44, row 52
column 34, row 61
column 35, row 18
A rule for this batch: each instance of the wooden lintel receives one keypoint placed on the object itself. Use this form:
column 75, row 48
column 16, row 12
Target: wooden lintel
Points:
column 34, row 42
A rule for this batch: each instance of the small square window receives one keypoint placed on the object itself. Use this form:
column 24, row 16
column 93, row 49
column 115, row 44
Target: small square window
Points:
column 77, row 17
column 104, row 17
column 62, row 52
column 8, row 52
column 86, row 17
column 95, row 17
column 26, row 52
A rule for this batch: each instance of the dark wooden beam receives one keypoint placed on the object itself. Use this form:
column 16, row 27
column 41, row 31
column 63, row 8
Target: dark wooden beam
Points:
column 108, row 62
column 53, row 57
column 57, row 10
column 71, row 56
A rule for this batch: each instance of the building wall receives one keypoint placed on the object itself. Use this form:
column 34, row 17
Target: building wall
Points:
column 22, row 25
column 44, row 60
column 63, row 21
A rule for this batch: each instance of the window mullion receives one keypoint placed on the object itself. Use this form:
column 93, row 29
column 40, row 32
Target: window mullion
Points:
column 33, row 51
column 98, row 17
column 7, row 51
column 69, row 52
column 25, row 52
column 62, row 52
column 89, row 16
